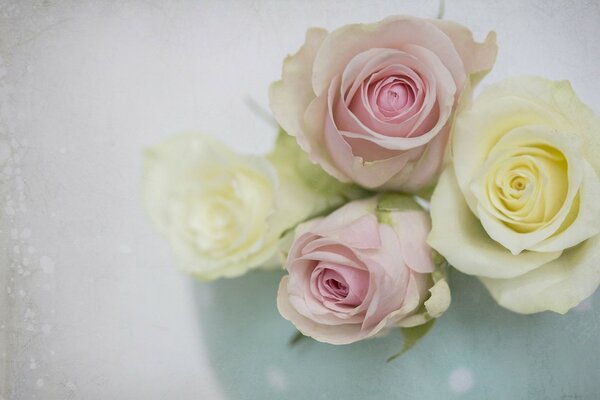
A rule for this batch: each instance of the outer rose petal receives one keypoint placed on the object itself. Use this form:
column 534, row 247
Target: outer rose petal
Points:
column 458, row 235
column 315, row 143
column 476, row 57
column 292, row 97
column 558, row 102
column 340, row 217
column 435, row 306
column 439, row 301
column 425, row 169
column 411, row 303
column 412, row 228
column 557, row 286
column 587, row 222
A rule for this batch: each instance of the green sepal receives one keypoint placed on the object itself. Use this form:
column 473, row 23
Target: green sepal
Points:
column 411, row 337
column 426, row 193
column 391, row 202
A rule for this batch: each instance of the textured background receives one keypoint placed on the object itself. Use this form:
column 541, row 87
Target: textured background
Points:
column 90, row 304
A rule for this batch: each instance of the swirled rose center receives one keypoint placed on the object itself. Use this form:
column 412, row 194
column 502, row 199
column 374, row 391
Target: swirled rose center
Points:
column 339, row 284
column 518, row 183
column 212, row 221
column 334, row 285
column 225, row 215
column 528, row 187
column 393, row 96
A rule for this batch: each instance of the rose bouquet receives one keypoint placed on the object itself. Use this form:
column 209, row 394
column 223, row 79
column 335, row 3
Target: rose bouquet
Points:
column 385, row 172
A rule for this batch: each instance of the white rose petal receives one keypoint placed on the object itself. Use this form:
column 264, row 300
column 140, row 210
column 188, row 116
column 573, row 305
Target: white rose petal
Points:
column 557, row 286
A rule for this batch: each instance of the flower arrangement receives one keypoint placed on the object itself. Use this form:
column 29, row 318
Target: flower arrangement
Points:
column 385, row 171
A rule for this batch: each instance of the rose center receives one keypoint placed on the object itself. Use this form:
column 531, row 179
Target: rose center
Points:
column 519, row 183
column 337, row 288
column 528, row 186
column 211, row 222
column 339, row 285
column 393, row 96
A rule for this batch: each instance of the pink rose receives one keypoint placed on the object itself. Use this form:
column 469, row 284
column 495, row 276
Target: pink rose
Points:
column 373, row 103
column 352, row 277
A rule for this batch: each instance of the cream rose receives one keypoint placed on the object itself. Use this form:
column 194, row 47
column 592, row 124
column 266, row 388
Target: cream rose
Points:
column 212, row 204
column 519, row 206
column 373, row 103
column 361, row 271
column 225, row 213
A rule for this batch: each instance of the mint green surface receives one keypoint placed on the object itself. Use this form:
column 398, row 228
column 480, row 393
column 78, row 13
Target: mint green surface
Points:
column 477, row 350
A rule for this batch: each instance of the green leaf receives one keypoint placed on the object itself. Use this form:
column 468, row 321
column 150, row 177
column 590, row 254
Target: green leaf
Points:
column 287, row 153
column 412, row 337
column 297, row 338
column 305, row 189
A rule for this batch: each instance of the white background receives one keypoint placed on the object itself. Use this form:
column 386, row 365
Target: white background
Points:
column 90, row 304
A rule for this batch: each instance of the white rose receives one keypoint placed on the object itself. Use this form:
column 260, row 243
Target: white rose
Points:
column 520, row 205
column 211, row 203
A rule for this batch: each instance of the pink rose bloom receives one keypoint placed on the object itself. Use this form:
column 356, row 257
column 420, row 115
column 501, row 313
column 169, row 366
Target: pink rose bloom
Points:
column 373, row 103
column 352, row 277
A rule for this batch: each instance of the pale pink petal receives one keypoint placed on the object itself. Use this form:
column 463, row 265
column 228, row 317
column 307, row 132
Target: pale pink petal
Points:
column 412, row 228
column 344, row 216
column 385, row 134
column 315, row 119
column 344, row 43
column 445, row 91
column 476, row 57
column 290, row 96
column 333, row 253
column 341, row 285
column 336, row 334
column 424, row 170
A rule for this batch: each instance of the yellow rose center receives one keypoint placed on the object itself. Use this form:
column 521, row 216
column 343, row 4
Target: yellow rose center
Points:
column 527, row 185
